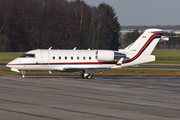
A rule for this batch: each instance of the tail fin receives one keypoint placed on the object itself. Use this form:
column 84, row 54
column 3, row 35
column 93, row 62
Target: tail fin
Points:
column 146, row 42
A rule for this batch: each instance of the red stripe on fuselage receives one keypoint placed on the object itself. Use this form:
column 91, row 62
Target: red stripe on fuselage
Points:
column 65, row 63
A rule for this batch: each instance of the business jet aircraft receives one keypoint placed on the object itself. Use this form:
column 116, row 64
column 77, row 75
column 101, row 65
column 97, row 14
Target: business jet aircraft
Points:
column 89, row 61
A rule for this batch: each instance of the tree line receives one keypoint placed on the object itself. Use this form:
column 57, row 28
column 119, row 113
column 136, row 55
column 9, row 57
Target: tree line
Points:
column 62, row 24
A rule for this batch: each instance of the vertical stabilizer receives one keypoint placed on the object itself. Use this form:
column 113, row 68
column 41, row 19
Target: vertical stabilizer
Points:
column 146, row 43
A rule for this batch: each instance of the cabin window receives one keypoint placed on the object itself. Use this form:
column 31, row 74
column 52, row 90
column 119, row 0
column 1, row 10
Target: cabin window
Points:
column 28, row 55
column 65, row 58
column 84, row 58
column 89, row 58
column 71, row 58
column 59, row 58
column 77, row 58
column 53, row 57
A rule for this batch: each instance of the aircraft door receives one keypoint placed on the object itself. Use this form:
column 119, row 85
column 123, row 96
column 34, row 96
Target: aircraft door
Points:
column 45, row 57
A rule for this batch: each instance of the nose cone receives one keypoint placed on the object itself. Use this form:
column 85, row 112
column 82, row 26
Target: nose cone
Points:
column 12, row 63
column 13, row 66
column 9, row 64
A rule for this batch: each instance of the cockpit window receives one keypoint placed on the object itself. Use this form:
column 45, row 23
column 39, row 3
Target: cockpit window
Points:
column 28, row 55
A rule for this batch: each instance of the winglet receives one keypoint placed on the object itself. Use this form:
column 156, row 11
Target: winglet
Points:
column 118, row 64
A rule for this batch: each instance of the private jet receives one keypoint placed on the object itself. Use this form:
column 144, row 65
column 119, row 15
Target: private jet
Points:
column 86, row 62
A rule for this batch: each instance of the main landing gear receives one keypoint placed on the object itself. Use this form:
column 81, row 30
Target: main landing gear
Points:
column 86, row 75
column 23, row 74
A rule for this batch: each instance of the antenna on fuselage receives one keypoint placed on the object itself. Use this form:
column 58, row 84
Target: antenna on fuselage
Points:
column 50, row 48
column 75, row 48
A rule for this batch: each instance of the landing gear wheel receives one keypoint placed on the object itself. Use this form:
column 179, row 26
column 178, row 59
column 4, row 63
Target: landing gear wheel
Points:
column 89, row 76
column 86, row 75
column 23, row 74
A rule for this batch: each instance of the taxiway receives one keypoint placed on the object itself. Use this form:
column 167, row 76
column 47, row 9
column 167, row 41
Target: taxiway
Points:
column 102, row 98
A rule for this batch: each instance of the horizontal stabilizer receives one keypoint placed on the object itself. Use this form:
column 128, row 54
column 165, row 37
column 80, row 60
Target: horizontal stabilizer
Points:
column 166, row 38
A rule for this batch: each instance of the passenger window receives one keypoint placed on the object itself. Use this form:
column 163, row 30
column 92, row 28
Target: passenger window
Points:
column 77, row 58
column 65, row 58
column 53, row 57
column 71, row 58
column 59, row 58
column 84, row 58
column 89, row 58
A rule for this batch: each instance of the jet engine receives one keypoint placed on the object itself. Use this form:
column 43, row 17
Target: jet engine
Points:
column 106, row 55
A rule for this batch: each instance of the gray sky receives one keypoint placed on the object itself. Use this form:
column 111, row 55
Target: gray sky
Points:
column 144, row 12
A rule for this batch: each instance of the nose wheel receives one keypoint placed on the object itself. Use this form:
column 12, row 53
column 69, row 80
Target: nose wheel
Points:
column 23, row 74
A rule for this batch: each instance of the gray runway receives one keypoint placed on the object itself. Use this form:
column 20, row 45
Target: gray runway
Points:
column 102, row 98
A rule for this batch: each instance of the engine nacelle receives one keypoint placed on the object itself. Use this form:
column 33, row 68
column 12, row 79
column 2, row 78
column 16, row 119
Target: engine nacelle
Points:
column 105, row 55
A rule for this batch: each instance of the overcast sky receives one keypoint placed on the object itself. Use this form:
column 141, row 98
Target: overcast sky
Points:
column 144, row 12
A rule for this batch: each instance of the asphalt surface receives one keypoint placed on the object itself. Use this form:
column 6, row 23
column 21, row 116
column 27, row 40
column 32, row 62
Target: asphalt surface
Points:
column 101, row 98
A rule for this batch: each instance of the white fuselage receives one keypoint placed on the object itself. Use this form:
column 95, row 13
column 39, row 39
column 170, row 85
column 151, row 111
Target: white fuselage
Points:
column 62, row 60
column 75, row 60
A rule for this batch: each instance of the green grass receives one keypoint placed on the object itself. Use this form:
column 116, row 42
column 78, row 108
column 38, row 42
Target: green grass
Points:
column 6, row 57
column 168, row 56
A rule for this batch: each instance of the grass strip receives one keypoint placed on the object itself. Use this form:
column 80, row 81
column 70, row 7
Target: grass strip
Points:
column 6, row 57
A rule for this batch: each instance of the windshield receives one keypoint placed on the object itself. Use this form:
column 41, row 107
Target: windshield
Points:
column 28, row 55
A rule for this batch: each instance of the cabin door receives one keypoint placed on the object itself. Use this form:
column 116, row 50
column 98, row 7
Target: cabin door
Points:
column 45, row 57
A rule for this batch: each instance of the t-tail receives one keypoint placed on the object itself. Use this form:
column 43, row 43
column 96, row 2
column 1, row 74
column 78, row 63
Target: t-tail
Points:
column 140, row 51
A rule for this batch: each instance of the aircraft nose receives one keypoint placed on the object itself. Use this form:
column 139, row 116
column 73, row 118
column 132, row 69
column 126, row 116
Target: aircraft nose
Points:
column 11, row 63
column 8, row 64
